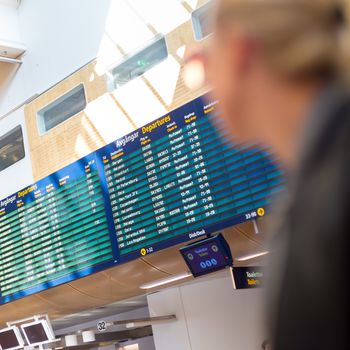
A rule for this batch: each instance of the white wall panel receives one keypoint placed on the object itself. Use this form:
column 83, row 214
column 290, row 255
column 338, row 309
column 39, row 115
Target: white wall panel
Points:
column 9, row 25
column 211, row 316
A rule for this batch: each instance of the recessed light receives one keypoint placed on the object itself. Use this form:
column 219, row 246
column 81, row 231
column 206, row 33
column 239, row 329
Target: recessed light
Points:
column 252, row 256
column 165, row 280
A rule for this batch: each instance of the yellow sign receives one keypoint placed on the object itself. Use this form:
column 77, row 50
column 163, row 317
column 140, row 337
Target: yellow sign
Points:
column 143, row 251
column 261, row 212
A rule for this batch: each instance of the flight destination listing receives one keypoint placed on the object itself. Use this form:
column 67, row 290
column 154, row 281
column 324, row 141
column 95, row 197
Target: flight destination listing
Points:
column 177, row 176
column 169, row 181
column 53, row 228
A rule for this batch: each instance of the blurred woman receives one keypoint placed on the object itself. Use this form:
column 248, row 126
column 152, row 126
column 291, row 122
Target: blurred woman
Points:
column 280, row 71
column 266, row 345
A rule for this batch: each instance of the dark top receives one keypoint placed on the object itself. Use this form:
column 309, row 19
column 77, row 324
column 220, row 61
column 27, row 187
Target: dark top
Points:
column 310, row 293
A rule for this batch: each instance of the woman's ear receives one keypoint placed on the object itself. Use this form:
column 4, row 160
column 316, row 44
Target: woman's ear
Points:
column 244, row 50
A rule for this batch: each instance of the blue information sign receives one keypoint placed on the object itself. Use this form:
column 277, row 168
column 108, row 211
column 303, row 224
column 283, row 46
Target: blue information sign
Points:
column 207, row 255
column 170, row 181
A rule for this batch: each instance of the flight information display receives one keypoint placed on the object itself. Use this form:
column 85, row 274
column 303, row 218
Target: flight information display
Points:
column 55, row 227
column 177, row 176
column 170, row 181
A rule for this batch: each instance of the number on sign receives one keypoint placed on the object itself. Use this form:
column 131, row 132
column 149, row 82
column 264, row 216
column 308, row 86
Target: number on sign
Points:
column 101, row 326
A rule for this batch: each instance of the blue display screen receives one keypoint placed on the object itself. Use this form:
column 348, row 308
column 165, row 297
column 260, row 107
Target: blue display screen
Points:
column 168, row 182
column 206, row 256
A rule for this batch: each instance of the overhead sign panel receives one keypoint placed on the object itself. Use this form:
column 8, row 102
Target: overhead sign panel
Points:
column 170, row 181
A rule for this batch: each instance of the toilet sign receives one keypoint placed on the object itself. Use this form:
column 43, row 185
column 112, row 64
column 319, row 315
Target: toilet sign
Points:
column 247, row 277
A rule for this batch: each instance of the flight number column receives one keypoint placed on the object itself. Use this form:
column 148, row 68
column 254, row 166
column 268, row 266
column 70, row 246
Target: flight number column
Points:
column 130, row 198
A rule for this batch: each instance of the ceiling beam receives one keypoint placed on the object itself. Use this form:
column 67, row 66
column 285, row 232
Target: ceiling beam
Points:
column 10, row 60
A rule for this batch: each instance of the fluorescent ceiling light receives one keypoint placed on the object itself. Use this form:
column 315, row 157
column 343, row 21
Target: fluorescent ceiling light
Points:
column 10, row 60
column 166, row 280
column 138, row 324
column 252, row 256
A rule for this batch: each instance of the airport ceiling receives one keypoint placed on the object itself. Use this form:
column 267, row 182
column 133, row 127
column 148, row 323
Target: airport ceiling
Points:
column 10, row 2
column 121, row 283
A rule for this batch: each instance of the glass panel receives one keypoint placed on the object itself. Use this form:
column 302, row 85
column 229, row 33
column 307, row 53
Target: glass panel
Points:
column 11, row 147
column 202, row 20
column 139, row 63
column 62, row 109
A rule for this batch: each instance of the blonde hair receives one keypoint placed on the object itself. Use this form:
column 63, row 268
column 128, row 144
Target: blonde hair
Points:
column 300, row 38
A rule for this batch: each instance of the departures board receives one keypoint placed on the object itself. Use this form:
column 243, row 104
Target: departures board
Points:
column 170, row 181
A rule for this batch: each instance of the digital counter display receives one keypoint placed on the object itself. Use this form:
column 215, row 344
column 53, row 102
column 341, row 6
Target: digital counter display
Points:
column 208, row 255
column 167, row 182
